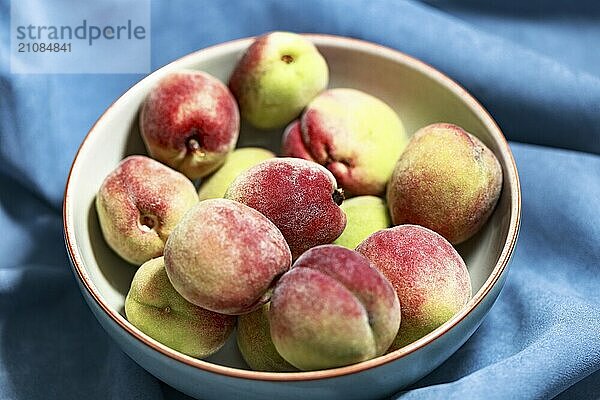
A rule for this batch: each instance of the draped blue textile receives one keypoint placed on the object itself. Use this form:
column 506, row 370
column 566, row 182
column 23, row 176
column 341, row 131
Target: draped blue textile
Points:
column 534, row 65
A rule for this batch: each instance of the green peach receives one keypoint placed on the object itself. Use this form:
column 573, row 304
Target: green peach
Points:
column 446, row 180
column 255, row 343
column 356, row 136
column 365, row 215
column 154, row 307
column 280, row 73
column 238, row 161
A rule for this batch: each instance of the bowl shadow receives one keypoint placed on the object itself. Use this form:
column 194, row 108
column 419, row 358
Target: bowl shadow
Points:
column 117, row 272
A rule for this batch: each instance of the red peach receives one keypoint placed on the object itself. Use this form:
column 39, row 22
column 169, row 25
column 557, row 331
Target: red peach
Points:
column 139, row 204
column 292, row 144
column 225, row 256
column 299, row 196
column 333, row 309
column 430, row 277
column 190, row 121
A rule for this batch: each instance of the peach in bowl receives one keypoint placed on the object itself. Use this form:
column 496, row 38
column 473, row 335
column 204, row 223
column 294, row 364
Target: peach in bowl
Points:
column 416, row 92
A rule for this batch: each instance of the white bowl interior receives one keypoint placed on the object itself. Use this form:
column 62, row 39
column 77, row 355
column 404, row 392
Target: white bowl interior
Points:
column 419, row 95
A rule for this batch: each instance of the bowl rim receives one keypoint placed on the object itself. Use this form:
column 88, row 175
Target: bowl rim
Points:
column 339, row 41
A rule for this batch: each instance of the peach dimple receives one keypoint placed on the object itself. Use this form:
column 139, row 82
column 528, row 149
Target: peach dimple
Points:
column 139, row 204
column 292, row 144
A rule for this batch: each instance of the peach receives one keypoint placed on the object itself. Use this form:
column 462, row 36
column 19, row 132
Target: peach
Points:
column 292, row 144
column 365, row 215
column 190, row 121
column 430, row 277
column 356, row 136
column 225, row 256
column 299, row 196
column 276, row 78
column 139, row 203
column 215, row 186
column 154, row 307
column 333, row 309
column 446, row 180
column 255, row 343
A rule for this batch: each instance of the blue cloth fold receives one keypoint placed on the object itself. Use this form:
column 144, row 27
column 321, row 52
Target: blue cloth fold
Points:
column 534, row 65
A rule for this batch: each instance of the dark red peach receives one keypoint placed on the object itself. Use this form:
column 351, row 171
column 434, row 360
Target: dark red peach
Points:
column 299, row 196
column 190, row 121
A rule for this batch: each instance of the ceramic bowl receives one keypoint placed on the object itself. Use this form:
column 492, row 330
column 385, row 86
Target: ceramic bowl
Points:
column 421, row 95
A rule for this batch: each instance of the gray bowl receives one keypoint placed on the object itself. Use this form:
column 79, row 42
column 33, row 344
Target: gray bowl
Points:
column 421, row 95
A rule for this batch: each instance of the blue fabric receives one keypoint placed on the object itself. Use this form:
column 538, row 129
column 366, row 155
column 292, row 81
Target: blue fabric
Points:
column 536, row 67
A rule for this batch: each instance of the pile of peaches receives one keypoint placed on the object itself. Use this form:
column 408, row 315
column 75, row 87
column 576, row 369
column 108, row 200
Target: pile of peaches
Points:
column 334, row 253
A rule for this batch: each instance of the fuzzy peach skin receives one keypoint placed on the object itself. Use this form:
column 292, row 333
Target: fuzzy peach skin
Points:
column 255, row 344
column 333, row 309
column 365, row 215
column 446, row 180
column 292, row 144
column 430, row 277
column 154, row 307
column 225, row 256
column 300, row 197
column 276, row 78
column 190, row 121
column 356, row 136
column 139, row 203
column 215, row 185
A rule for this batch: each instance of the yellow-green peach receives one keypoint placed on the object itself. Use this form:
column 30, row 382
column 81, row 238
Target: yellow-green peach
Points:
column 276, row 78
column 299, row 196
column 255, row 344
column 365, row 215
column 215, row 186
column 225, row 256
column 154, row 307
column 139, row 203
column 430, row 277
column 356, row 136
column 333, row 309
column 446, row 180
column 190, row 121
